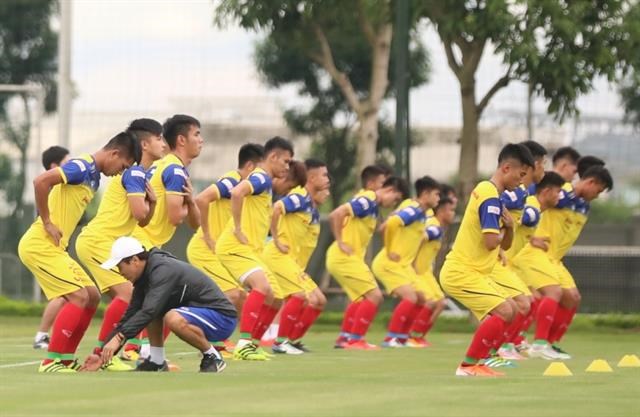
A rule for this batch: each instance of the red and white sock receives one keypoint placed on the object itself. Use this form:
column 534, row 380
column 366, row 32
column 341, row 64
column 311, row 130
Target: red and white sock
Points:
column 487, row 335
column 348, row 320
column 561, row 323
column 363, row 318
column 307, row 318
column 544, row 318
column 267, row 314
column 250, row 313
column 291, row 313
column 65, row 324
column 112, row 315
column 403, row 315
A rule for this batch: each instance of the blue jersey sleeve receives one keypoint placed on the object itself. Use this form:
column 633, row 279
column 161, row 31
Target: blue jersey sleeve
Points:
column 294, row 202
column 225, row 185
column 174, row 177
column 489, row 212
column 76, row 171
column 566, row 199
column 514, row 200
column 260, row 182
column 362, row 206
column 433, row 232
column 134, row 179
column 530, row 216
column 410, row 215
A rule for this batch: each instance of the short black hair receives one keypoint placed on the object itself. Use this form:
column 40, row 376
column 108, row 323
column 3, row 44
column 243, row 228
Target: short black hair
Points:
column 312, row 163
column 399, row 184
column 277, row 143
column 446, row 189
column 550, row 179
column 145, row 125
column 297, row 173
column 600, row 174
column 537, row 151
column 566, row 152
column 143, row 256
column 443, row 202
column 586, row 162
column 53, row 155
column 425, row 183
column 386, row 168
column 518, row 152
column 127, row 144
column 369, row 173
column 176, row 125
column 250, row 152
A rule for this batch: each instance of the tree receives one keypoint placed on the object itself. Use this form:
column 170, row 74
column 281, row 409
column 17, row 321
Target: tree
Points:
column 557, row 47
column 630, row 81
column 316, row 34
column 28, row 52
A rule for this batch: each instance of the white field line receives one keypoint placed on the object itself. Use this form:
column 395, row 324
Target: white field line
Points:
column 19, row 364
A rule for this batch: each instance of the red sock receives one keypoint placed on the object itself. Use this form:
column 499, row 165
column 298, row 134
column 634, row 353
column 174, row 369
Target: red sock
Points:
column 251, row 311
column 487, row 334
column 290, row 316
column 561, row 323
column 349, row 315
column 112, row 315
column 166, row 331
column 307, row 318
column 83, row 325
column 403, row 313
column 513, row 329
column 421, row 324
column 363, row 318
column 63, row 327
column 267, row 314
column 544, row 318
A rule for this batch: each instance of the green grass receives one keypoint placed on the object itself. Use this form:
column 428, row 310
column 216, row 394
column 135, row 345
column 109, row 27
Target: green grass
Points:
column 326, row 382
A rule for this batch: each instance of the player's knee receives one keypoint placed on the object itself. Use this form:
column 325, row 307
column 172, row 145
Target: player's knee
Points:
column 523, row 305
column 505, row 310
column 93, row 296
column 441, row 304
column 420, row 298
column 375, row 296
column 277, row 303
column 317, row 300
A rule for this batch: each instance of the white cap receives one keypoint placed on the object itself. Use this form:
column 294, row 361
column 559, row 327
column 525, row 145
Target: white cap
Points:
column 123, row 247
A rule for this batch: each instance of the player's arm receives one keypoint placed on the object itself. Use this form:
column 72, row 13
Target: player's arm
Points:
column 278, row 211
column 115, row 340
column 178, row 198
column 42, row 185
column 238, row 194
column 489, row 213
column 392, row 227
column 507, row 230
column 193, row 213
column 336, row 221
column 140, row 195
column 203, row 200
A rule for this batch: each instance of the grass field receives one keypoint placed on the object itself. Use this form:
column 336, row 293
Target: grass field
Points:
column 326, row 382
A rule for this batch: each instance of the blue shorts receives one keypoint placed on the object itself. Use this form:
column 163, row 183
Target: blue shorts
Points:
column 216, row 326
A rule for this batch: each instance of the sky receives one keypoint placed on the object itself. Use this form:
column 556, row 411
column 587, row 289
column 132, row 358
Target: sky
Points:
column 139, row 55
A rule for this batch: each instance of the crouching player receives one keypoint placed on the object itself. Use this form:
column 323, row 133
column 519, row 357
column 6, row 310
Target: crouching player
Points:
column 167, row 290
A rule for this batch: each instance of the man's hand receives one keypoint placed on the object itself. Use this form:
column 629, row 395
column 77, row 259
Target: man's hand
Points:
column 240, row 236
column 188, row 192
column 110, row 348
column 540, row 243
column 345, row 248
column 502, row 257
column 393, row 256
column 507, row 219
column 93, row 363
column 54, row 232
column 150, row 195
column 281, row 246
column 211, row 244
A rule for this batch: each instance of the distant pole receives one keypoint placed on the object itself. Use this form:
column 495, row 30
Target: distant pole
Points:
column 64, row 74
column 401, row 39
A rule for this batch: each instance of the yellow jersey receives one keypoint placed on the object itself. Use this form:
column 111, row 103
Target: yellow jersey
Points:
column 482, row 215
column 114, row 218
column 410, row 218
column 168, row 176
column 68, row 201
column 358, row 228
column 256, row 214
column 430, row 246
column 220, row 209
column 525, row 226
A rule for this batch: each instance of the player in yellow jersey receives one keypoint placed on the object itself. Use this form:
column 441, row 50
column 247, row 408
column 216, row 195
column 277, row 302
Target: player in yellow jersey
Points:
column 215, row 211
column 353, row 224
column 128, row 200
column 239, row 247
column 42, row 249
column 486, row 227
column 403, row 231
column 52, row 157
column 294, row 217
column 444, row 214
column 171, row 184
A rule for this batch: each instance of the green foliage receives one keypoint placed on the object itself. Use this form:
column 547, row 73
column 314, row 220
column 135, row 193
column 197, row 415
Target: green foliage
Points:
column 630, row 95
column 5, row 171
column 610, row 211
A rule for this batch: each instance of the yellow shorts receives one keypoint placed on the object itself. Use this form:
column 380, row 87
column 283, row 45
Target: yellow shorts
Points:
column 200, row 256
column 353, row 275
column 57, row 273
column 392, row 274
column 428, row 285
column 566, row 279
column 242, row 261
column 509, row 280
column 93, row 252
column 536, row 269
column 475, row 290
column 291, row 277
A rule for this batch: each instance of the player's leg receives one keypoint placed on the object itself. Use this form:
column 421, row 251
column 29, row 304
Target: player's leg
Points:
column 156, row 362
column 546, row 312
column 403, row 315
column 567, row 308
column 316, row 301
column 363, row 318
column 41, row 339
column 291, row 313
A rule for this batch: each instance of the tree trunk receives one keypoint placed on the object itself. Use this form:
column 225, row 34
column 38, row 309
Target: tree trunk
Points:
column 530, row 110
column 367, row 140
column 468, row 165
column 23, row 135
